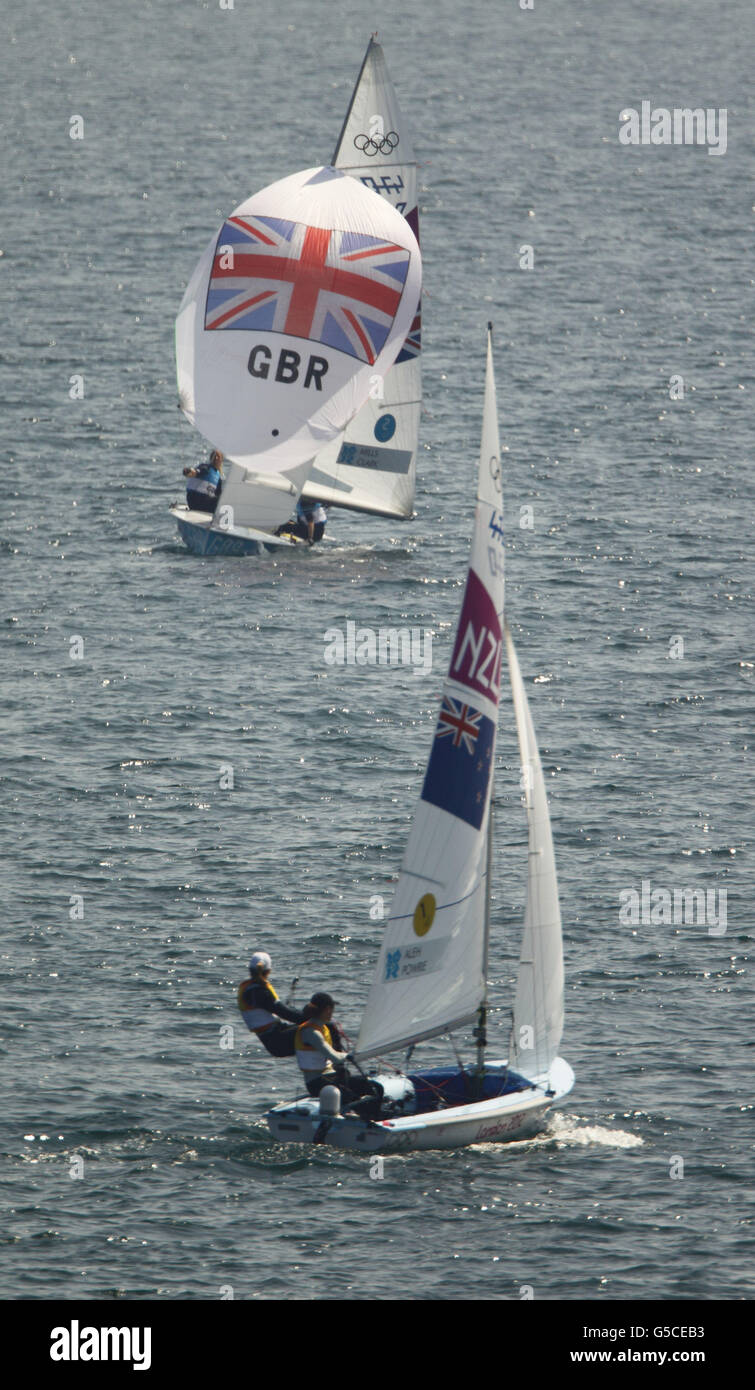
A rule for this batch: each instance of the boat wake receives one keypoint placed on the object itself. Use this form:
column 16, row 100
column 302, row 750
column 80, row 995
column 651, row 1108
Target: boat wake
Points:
column 567, row 1131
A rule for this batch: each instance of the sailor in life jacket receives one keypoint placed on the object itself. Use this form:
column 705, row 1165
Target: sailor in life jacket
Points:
column 262, row 1010
column 308, row 524
column 321, row 1062
column 203, row 488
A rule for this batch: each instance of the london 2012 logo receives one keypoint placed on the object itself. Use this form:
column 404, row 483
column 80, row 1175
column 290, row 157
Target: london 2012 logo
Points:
column 392, row 962
column 377, row 143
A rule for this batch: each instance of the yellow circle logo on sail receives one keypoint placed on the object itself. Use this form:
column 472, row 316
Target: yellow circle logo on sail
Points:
column 424, row 914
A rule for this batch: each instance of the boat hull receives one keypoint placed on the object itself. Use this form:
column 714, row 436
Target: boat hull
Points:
column 201, row 538
column 516, row 1115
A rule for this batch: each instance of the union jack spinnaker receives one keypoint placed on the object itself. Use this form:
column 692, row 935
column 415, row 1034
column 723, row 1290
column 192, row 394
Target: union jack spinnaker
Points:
column 299, row 304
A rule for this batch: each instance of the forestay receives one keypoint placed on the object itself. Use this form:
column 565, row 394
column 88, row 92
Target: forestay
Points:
column 372, row 466
column 430, row 976
column 307, row 292
column 539, row 1005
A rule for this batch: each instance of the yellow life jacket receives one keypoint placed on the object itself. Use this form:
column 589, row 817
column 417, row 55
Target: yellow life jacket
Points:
column 256, row 1019
column 309, row 1059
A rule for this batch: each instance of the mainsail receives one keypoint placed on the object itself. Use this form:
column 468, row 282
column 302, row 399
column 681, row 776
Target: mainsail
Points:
column 259, row 500
column 430, row 975
column 539, row 1005
column 308, row 291
column 371, row 467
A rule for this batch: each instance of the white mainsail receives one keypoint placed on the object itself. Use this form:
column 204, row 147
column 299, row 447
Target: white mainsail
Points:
column 430, row 975
column 258, row 500
column 307, row 291
column 371, row 467
column 539, row 1005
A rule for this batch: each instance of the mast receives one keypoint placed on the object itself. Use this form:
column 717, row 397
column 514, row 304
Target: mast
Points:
column 480, row 1032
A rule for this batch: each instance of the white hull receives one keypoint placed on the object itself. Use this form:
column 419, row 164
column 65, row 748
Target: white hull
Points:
column 517, row 1115
column 201, row 538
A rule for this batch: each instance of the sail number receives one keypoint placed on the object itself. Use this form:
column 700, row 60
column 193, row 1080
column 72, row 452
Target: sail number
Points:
column 387, row 186
column 287, row 367
column 495, row 526
column 424, row 915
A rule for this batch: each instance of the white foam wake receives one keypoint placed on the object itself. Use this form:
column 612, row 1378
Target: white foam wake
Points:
column 567, row 1130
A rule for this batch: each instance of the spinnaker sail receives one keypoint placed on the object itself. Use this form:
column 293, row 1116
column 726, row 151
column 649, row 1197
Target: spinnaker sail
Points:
column 539, row 1004
column 371, row 467
column 430, row 976
column 306, row 293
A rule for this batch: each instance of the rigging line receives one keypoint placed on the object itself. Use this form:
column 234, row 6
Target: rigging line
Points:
column 345, row 1036
column 437, row 1088
column 381, row 1061
column 390, row 1065
column 452, row 1040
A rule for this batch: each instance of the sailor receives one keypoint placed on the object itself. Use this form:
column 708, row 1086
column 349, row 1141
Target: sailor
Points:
column 263, row 1010
column 322, row 1063
column 308, row 524
column 203, row 491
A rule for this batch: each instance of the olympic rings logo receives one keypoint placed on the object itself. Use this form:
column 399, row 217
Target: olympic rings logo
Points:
column 495, row 471
column 369, row 146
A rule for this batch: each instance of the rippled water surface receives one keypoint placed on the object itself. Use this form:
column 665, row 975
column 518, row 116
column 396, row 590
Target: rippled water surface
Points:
column 112, row 763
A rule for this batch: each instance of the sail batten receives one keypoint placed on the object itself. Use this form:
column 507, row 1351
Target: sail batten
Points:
column 371, row 466
column 430, row 974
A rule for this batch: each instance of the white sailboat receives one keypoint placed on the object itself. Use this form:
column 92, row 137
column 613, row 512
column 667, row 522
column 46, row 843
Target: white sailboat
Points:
column 431, row 976
column 370, row 466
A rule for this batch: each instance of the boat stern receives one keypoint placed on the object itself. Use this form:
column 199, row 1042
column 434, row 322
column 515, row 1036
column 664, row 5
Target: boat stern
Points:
column 304, row 1122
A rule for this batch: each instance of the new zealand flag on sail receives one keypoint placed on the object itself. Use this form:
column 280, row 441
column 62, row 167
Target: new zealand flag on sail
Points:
column 341, row 289
column 459, row 768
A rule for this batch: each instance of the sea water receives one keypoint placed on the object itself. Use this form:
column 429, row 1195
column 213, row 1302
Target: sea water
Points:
column 187, row 777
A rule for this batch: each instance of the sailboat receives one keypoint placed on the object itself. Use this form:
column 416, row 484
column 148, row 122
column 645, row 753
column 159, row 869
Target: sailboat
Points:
column 368, row 464
column 371, row 467
column 431, row 977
